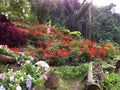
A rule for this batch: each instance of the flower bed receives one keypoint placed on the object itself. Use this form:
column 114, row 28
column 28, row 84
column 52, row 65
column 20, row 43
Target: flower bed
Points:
column 28, row 77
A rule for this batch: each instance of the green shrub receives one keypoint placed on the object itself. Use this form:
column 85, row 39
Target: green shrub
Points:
column 110, row 81
column 21, row 25
column 66, row 31
column 32, row 18
column 73, row 72
column 75, row 33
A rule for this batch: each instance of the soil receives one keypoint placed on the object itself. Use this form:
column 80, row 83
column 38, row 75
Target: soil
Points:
column 14, row 67
column 76, row 85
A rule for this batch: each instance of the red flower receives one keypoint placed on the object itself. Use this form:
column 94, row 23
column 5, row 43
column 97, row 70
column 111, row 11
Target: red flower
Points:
column 14, row 49
column 65, row 42
column 110, row 47
column 99, row 57
column 102, row 51
column 87, row 43
column 92, row 51
column 81, row 49
column 38, row 41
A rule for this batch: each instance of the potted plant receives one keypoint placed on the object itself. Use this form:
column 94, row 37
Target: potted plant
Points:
column 53, row 79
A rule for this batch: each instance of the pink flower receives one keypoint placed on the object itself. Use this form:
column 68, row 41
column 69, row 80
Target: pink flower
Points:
column 1, row 76
column 12, row 78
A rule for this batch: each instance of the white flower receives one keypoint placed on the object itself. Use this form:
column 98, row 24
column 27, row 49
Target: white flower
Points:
column 28, row 62
column 2, row 88
column 18, row 87
column 29, row 76
column 0, row 46
column 22, row 78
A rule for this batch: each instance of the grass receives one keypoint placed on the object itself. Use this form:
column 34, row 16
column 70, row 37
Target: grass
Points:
column 3, row 68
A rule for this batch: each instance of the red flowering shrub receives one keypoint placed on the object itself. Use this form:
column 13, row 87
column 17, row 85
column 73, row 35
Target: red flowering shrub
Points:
column 11, row 36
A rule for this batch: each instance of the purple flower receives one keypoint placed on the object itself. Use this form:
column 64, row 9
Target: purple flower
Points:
column 2, row 88
column 28, row 83
column 12, row 78
column 1, row 76
column 19, row 63
column 18, row 87
column 97, row 67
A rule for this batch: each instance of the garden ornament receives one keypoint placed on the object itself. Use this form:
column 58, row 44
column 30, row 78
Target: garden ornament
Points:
column 45, row 66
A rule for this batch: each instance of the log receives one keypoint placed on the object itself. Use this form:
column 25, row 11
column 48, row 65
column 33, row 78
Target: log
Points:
column 91, row 84
column 7, row 59
column 90, row 74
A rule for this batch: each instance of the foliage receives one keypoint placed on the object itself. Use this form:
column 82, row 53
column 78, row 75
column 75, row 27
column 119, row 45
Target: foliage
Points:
column 10, row 80
column 22, row 25
column 11, row 36
column 18, row 10
column 31, row 70
column 3, row 68
column 6, row 51
column 110, row 80
column 75, row 33
column 54, row 70
column 66, row 31
column 31, row 19
column 73, row 72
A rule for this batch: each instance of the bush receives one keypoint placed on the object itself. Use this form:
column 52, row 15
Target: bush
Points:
column 75, row 33
column 11, row 36
column 66, row 31
column 73, row 72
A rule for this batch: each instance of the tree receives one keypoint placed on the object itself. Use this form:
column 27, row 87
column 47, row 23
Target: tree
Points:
column 105, row 24
column 15, row 9
column 70, row 12
column 74, row 11
column 43, row 9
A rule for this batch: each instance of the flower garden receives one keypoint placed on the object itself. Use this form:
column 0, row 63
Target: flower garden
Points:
column 68, row 51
